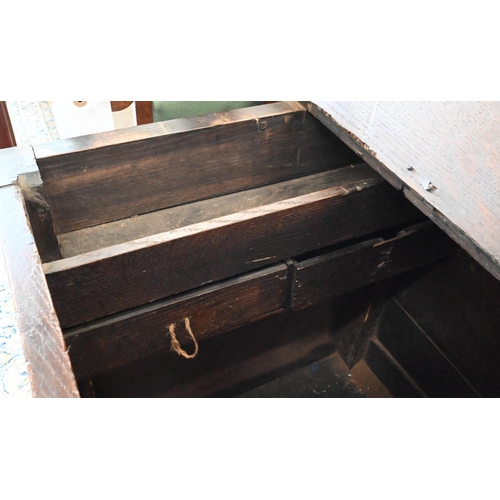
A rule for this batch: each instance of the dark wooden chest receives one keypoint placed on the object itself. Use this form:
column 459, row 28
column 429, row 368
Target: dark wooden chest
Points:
column 217, row 255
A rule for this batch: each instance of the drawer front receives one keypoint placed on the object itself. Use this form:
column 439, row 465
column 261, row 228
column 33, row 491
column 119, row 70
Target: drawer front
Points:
column 350, row 268
column 213, row 309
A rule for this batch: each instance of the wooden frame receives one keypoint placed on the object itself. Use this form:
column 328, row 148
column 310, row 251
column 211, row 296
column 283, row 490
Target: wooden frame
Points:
column 48, row 364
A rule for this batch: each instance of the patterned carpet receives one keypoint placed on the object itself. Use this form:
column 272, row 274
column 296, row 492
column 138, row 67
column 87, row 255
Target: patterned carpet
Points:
column 32, row 121
column 13, row 369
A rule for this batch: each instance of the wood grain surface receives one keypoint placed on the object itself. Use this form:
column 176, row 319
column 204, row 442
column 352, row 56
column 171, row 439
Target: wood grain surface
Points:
column 95, row 179
column 117, row 278
column 456, row 306
column 124, row 230
column 229, row 363
column 444, row 155
column 408, row 344
column 49, row 368
column 214, row 309
column 359, row 265
column 40, row 216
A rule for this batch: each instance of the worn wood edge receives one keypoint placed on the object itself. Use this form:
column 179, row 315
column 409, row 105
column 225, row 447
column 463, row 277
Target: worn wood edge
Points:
column 488, row 261
column 144, row 132
column 185, row 232
column 360, row 148
column 482, row 256
column 49, row 367
column 40, row 216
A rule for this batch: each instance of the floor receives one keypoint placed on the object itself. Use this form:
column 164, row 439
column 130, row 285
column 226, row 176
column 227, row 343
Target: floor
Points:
column 326, row 378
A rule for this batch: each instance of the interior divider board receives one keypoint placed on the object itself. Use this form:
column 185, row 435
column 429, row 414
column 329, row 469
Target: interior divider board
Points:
column 117, row 278
column 348, row 269
column 100, row 178
column 117, row 232
column 214, row 309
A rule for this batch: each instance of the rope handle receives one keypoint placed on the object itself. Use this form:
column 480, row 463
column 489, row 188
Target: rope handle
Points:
column 176, row 347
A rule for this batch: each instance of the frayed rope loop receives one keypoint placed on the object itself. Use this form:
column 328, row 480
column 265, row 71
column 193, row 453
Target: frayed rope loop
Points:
column 176, row 347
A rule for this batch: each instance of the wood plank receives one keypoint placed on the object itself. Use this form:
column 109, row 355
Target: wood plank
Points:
column 106, row 281
column 356, row 266
column 456, row 305
column 40, row 216
column 358, row 315
column 390, row 373
column 408, row 344
column 143, row 332
column 117, row 232
column 49, row 367
column 230, row 363
column 444, row 155
column 96, row 179
column 368, row 382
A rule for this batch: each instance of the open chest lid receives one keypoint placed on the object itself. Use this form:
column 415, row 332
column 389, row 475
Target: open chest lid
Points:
column 444, row 156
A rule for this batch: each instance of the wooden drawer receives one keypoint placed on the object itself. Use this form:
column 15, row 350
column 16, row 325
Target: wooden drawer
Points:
column 143, row 332
column 347, row 269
